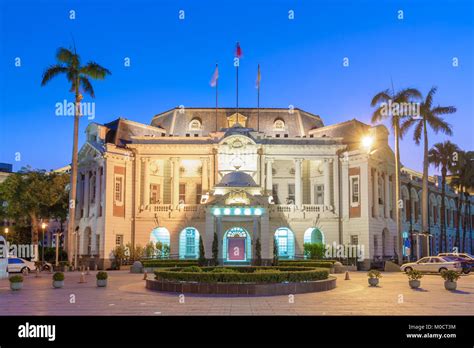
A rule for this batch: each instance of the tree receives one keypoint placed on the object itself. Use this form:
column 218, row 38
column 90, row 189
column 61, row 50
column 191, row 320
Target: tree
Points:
column 69, row 64
column 215, row 250
column 275, row 252
column 258, row 252
column 443, row 156
column 202, row 253
column 429, row 116
column 381, row 100
column 463, row 182
column 314, row 251
column 32, row 196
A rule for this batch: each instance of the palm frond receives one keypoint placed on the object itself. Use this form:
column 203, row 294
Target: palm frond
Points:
column 443, row 110
column 417, row 132
column 95, row 71
column 406, row 125
column 407, row 94
column 438, row 124
column 51, row 72
column 383, row 96
column 86, row 86
column 377, row 116
column 64, row 55
column 429, row 98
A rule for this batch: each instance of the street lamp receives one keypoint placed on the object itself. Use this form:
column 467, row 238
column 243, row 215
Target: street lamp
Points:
column 43, row 227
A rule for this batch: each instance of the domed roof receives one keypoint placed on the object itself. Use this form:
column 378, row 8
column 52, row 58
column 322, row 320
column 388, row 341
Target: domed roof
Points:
column 237, row 179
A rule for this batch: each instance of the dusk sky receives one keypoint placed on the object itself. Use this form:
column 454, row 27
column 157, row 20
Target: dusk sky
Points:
column 172, row 61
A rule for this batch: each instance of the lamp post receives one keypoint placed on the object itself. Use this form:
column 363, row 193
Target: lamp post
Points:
column 6, row 233
column 43, row 227
column 57, row 235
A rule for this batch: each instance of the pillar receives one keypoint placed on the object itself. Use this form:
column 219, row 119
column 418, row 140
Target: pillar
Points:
column 327, row 184
column 146, row 181
column 376, row 193
column 335, row 171
column 175, row 181
column 205, row 174
column 298, row 182
column 86, row 194
column 387, row 196
column 269, row 180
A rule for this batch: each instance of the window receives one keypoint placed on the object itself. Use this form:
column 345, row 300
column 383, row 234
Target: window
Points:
column 424, row 260
column 279, row 125
column 291, row 194
column 319, row 194
column 198, row 193
column 118, row 189
column 275, row 193
column 97, row 244
column 155, row 194
column 354, row 189
column 285, row 240
column 119, row 240
column 182, row 193
column 354, row 240
column 190, row 241
column 92, row 187
column 101, row 175
column 417, row 211
column 195, row 124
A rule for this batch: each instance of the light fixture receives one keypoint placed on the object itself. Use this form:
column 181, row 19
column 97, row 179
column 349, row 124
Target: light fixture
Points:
column 6, row 230
column 217, row 211
column 226, row 211
column 247, row 211
column 367, row 142
column 258, row 211
column 43, row 225
column 237, row 211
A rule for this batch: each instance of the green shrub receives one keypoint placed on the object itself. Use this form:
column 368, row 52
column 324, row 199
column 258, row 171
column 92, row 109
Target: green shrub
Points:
column 222, row 270
column 314, row 250
column 373, row 273
column 414, row 275
column 450, row 276
column 192, row 269
column 308, row 263
column 101, row 275
column 244, row 275
column 169, row 263
column 16, row 279
column 58, row 276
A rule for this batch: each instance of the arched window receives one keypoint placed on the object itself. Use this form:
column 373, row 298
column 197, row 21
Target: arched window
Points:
column 195, row 124
column 285, row 240
column 160, row 237
column 313, row 235
column 189, row 243
column 279, row 125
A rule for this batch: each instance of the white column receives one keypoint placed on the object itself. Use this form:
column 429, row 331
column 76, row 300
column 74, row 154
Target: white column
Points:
column 376, row 193
column 335, row 171
column 97, row 191
column 345, row 189
column 262, row 170
column 298, row 182
column 175, row 181
column 205, row 174
column 146, row 181
column 86, row 194
column 327, row 184
column 387, row 196
column 269, row 180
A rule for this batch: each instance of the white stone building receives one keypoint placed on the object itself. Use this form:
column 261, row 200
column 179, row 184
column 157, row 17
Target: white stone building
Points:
column 272, row 174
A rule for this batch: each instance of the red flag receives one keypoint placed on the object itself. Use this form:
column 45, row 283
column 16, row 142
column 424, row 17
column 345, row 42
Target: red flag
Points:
column 238, row 50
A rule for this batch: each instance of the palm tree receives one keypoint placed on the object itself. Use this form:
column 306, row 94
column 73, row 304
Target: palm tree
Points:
column 400, row 98
column 463, row 182
column 443, row 156
column 429, row 116
column 69, row 64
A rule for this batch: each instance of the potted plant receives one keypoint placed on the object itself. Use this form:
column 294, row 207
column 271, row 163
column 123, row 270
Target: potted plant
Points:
column 450, row 279
column 58, row 280
column 16, row 282
column 414, row 277
column 102, row 279
column 374, row 276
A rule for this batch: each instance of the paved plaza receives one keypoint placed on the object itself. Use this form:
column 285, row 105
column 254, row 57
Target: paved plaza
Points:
column 126, row 295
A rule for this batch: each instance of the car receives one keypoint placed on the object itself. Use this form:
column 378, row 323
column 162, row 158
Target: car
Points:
column 16, row 264
column 468, row 258
column 435, row 264
column 465, row 265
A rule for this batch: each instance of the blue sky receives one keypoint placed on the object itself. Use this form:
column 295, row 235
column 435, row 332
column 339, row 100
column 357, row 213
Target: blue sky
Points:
column 172, row 61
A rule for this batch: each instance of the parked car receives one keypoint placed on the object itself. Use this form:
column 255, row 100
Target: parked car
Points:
column 468, row 258
column 432, row 264
column 16, row 264
column 466, row 264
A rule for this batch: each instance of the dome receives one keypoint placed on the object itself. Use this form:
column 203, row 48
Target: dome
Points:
column 237, row 179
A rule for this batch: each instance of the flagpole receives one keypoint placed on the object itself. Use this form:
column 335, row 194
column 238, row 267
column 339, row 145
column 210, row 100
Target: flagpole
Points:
column 217, row 87
column 237, row 90
column 258, row 99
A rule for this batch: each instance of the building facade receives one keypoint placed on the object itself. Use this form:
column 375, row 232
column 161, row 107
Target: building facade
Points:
column 276, row 175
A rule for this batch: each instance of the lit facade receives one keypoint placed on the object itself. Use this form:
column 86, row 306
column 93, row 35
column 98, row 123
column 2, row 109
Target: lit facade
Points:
column 269, row 174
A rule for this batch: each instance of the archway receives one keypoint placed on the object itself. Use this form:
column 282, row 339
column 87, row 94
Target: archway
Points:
column 236, row 245
column 189, row 243
column 160, row 237
column 285, row 240
column 313, row 235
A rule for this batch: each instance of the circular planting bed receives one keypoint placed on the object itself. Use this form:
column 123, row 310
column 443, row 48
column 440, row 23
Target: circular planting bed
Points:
column 245, row 280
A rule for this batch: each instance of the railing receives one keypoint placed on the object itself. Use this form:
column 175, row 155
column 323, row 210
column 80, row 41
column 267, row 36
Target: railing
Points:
column 156, row 208
column 166, row 208
column 313, row 208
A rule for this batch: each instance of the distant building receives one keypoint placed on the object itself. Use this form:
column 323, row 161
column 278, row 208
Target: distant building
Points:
column 278, row 175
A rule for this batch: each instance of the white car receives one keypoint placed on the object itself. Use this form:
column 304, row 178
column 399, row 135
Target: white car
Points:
column 436, row 264
column 16, row 264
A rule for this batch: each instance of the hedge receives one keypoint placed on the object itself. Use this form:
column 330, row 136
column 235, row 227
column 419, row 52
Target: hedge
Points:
column 308, row 263
column 244, row 275
column 169, row 263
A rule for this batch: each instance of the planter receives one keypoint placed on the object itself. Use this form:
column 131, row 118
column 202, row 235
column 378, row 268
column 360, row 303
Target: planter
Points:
column 414, row 284
column 58, row 284
column 448, row 285
column 16, row 286
column 373, row 281
column 101, row 283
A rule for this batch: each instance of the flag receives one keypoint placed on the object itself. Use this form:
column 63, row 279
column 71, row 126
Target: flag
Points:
column 238, row 51
column 214, row 78
column 257, row 83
